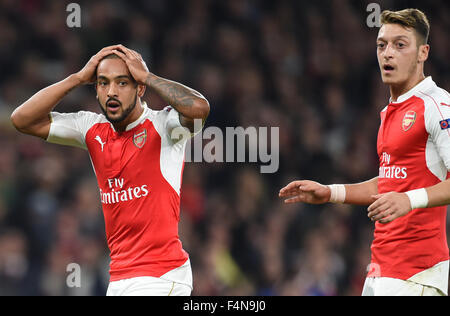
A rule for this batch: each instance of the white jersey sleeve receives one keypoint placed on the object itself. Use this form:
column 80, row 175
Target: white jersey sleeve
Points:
column 437, row 122
column 70, row 128
column 167, row 123
column 174, row 138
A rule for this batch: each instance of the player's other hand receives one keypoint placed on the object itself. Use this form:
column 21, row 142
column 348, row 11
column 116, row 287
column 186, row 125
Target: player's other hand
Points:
column 305, row 191
column 88, row 73
column 389, row 206
column 136, row 65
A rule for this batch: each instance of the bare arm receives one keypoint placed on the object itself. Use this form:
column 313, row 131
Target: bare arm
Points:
column 190, row 104
column 392, row 205
column 439, row 194
column 315, row 193
column 32, row 117
column 361, row 193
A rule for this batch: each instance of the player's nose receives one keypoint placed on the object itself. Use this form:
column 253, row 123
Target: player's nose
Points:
column 388, row 53
column 112, row 91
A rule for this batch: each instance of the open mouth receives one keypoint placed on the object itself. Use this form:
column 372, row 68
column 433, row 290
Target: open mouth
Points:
column 113, row 105
column 388, row 68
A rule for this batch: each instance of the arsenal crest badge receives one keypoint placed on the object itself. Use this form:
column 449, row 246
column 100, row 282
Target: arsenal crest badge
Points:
column 408, row 120
column 140, row 138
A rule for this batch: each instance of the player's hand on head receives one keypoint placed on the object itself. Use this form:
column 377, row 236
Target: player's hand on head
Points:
column 305, row 191
column 136, row 65
column 88, row 73
column 389, row 206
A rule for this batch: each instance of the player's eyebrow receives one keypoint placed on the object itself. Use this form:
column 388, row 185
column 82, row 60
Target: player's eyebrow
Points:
column 102, row 77
column 394, row 38
column 123, row 77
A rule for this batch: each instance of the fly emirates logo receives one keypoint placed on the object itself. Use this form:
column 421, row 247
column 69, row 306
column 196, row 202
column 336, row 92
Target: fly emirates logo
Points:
column 118, row 193
column 391, row 172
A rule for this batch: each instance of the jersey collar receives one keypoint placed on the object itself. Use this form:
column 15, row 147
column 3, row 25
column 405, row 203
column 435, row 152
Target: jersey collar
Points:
column 424, row 85
column 140, row 119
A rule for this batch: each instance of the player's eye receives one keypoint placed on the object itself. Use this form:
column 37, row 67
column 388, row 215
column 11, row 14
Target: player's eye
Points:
column 400, row 45
column 123, row 83
column 102, row 83
column 380, row 45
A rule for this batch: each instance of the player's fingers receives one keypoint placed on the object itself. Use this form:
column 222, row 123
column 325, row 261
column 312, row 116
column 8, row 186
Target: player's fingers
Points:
column 376, row 211
column 109, row 47
column 139, row 56
column 386, row 220
column 95, row 60
column 292, row 185
column 120, row 54
column 119, row 47
column 307, row 187
column 376, row 207
column 135, row 54
column 103, row 53
column 295, row 199
column 106, row 50
column 377, row 196
column 126, row 51
column 378, row 201
column 381, row 215
column 289, row 193
column 287, row 188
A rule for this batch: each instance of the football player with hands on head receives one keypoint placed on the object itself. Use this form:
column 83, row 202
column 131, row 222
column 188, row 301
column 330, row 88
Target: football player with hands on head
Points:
column 138, row 157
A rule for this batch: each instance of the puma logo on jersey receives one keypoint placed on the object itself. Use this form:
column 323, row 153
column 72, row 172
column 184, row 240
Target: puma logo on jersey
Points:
column 97, row 138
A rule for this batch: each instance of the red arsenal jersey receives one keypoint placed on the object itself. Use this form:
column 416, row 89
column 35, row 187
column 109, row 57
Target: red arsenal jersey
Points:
column 139, row 175
column 414, row 151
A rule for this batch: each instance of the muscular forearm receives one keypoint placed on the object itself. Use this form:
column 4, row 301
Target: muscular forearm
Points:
column 361, row 193
column 188, row 102
column 32, row 117
column 439, row 194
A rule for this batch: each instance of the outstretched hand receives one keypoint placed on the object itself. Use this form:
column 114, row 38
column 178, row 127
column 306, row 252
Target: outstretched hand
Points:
column 305, row 191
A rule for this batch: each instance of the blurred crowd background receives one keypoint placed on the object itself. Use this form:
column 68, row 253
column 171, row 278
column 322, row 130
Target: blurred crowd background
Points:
column 307, row 67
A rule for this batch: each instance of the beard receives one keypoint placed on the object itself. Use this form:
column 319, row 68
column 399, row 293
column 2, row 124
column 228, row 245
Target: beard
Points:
column 125, row 112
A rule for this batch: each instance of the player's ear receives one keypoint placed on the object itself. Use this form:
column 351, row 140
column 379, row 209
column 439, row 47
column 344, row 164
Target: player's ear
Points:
column 423, row 53
column 141, row 90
